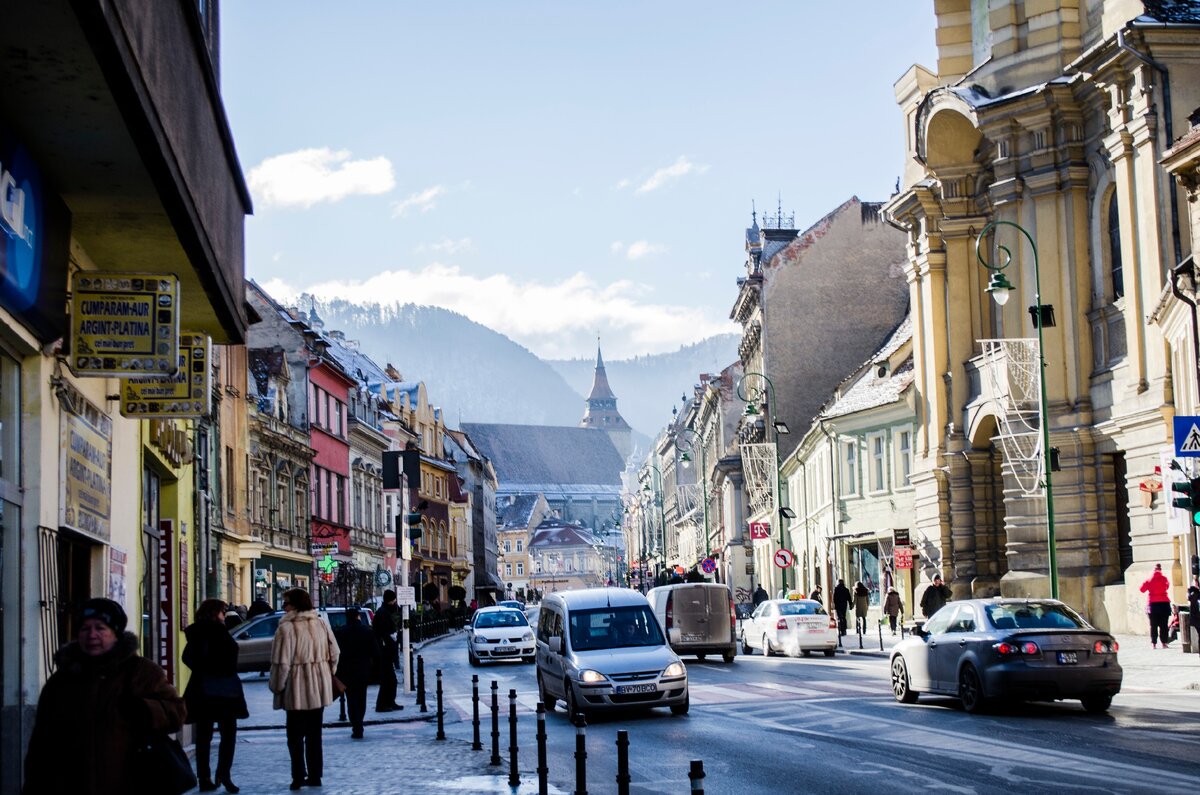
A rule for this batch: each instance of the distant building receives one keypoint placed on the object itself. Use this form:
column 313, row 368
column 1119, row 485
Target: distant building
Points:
column 602, row 411
column 517, row 518
column 565, row 556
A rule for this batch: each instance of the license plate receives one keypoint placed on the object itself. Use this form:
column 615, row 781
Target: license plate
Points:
column 625, row 689
column 1068, row 658
column 507, row 650
column 692, row 638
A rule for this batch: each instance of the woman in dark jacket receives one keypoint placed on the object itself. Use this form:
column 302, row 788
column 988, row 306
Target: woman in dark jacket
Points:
column 214, row 692
column 100, row 702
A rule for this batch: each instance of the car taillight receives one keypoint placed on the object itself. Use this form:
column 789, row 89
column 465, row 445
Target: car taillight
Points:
column 670, row 612
column 1005, row 648
column 1105, row 647
column 781, row 624
column 1030, row 648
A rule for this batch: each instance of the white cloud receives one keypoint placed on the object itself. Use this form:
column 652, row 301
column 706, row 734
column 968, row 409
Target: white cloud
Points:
column 424, row 201
column 310, row 176
column 680, row 168
column 554, row 320
column 446, row 246
column 636, row 249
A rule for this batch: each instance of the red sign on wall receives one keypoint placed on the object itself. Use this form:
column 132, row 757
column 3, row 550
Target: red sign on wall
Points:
column 903, row 557
column 760, row 531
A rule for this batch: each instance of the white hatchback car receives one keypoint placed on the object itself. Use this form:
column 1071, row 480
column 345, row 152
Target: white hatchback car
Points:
column 795, row 626
column 499, row 633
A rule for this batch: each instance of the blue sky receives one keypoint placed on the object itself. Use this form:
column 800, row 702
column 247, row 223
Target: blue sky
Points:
column 555, row 170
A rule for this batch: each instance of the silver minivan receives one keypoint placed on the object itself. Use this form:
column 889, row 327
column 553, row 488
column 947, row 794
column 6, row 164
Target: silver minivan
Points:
column 602, row 648
column 703, row 613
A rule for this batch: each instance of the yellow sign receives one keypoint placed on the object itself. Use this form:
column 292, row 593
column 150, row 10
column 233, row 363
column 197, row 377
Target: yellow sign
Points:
column 188, row 393
column 85, row 461
column 124, row 323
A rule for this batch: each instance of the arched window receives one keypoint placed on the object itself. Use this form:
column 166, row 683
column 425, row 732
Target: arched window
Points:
column 1115, row 267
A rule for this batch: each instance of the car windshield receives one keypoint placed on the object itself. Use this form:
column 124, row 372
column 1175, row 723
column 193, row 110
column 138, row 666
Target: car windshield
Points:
column 1034, row 615
column 501, row 618
column 614, row 628
column 800, row 609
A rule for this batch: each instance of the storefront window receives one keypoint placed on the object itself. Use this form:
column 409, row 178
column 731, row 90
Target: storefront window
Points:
column 864, row 568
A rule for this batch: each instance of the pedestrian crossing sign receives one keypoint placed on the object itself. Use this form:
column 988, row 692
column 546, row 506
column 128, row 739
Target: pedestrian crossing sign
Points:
column 1187, row 436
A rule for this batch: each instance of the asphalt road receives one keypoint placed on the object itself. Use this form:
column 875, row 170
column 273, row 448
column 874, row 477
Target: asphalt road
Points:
column 831, row 725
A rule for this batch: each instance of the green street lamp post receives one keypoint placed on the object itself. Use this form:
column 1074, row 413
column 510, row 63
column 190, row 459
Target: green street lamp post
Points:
column 688, row 446
column 999, row 288
column 657, row 495
column 780, row 428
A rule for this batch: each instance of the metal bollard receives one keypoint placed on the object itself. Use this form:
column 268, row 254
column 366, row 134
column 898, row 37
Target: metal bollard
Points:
column 421, row 682
column 342, row 707
column 580, row 754
column 476, row 745
column 514, row 777
column 860, row 635
column 495, row 724
column 881, row 635
column 412, row 668
column 696, row 776
column 441, row 733
column 543, row 770
column 622, row 762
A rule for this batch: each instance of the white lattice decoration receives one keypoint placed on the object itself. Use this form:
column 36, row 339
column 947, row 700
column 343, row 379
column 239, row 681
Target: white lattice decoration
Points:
column 687, row 498
column 1013, row 368
column 761, row 478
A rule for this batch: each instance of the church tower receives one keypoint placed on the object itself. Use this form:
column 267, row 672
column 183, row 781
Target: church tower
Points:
column 602, row 411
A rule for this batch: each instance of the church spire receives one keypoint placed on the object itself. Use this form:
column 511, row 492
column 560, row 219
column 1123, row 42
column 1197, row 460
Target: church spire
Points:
column 601, row 411
column 600, row 387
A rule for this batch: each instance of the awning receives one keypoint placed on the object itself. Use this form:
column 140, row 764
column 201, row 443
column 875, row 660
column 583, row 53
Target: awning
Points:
column 493, row 583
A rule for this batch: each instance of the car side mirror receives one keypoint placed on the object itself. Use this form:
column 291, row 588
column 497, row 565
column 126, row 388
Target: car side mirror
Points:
column 555, row 644
column 919, row 630
column 244, row 636
column 674, row 636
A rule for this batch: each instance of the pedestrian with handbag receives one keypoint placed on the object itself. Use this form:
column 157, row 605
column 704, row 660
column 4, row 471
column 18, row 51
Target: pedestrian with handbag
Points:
column 101, row 704
column 893, row 607
column 304, row 656
column 1158, row 606
column 214, row 692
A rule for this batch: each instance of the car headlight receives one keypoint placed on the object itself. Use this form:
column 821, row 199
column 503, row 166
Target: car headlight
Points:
column 673, row 670
column 528, row 637
column 478, row 640
column 589, row 677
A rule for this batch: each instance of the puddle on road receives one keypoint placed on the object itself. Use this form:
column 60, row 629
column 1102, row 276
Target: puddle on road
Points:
column 497, row 785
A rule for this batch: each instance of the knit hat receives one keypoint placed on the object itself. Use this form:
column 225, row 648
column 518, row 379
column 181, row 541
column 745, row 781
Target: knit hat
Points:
column 107, row 611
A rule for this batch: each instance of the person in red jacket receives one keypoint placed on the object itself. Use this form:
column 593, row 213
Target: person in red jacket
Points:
column 1157, row 589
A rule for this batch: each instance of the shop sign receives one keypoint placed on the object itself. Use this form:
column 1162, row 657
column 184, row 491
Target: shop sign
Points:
column 124, row 324
column 117, row 561
column 327, row 535
column 902, row 557
column 184, row 603
column 166, row 633
column 85, row 465
column 760, row 531
column 172, row 441
column 188, row 393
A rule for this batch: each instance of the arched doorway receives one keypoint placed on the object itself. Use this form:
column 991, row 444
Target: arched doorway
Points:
column 988, row 490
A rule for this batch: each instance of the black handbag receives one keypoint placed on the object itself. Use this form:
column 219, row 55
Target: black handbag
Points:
column 161, row 767
column 221, row 686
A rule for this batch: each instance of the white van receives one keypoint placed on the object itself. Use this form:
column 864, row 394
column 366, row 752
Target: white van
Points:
column 602, row 648
column 702, row 612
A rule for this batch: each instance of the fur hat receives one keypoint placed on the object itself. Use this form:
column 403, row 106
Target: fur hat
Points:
column 107, row 611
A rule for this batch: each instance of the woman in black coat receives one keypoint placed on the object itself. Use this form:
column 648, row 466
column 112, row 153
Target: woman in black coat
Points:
column 214, row 692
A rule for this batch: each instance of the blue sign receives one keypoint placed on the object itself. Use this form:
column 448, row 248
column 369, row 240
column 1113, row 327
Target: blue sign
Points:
column 708, row 565
column 1187, row 436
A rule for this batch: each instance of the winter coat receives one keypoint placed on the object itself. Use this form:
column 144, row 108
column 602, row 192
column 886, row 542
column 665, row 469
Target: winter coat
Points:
column 304, row 656
column 91, row 714
column 359, row 654
column 214, row 691
column 1157, row 588
column 760, row 596
column 841, row 597
column 817, row 596
column 862, row 601
column 259, row 607
column 892, row 605
column 935, row 598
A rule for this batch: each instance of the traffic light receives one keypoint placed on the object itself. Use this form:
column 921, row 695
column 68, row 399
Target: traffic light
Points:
column 1187, row 497
column 414, row 525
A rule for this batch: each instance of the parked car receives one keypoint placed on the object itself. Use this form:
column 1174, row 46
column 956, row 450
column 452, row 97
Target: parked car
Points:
column 512, row 604
column 794, row 626
column 702, row 612
column 602, row 648
column 254, row 637
column 982, row 650
column 499, row 633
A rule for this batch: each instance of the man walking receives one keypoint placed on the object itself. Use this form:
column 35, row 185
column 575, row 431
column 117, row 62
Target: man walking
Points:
column 760, row 595
column 841, row 603
column 387, row 619
column 935, row 597
column 360, row 652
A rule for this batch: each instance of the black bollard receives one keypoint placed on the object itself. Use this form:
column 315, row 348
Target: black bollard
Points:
column 580, row 754
column 495, row 724
column 421, row 683
column 622, row 762
column 476, row 745
column 860, row 636
column 881, row 635
column 543, row 770
column 696, row 776
column 441, row 734
column 342, row 707
column 514, row 777
column 412, row 668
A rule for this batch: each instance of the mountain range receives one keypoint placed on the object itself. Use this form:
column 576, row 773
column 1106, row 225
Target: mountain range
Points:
column 476, row 374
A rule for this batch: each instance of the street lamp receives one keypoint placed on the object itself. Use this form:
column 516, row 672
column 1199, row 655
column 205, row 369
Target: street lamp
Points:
column 657, row 495
column 752, row 399
column 999, row 288
column 688, row 445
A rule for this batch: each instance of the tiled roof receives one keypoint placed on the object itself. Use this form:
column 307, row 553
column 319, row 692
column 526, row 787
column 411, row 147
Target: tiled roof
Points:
column 1173, row 10
column 553, row 533
column 524, row 454
column 519, row 512
column 867, row 389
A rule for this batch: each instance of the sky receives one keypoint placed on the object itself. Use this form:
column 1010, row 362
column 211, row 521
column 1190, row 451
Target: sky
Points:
column 555, row 170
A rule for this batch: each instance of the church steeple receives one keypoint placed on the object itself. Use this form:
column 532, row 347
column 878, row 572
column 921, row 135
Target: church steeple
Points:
column 601, row 411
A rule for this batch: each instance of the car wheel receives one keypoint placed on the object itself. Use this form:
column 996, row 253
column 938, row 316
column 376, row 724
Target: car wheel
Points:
column 472, row 659
column 569, row 702
column 970, row 690
column 682, row 709
column 830, row 652
column 806, row 652
column 548, row 700
column 746, row 647
column 728, row 658
column 767, row 650
column 901, row 687
column 1096, row 704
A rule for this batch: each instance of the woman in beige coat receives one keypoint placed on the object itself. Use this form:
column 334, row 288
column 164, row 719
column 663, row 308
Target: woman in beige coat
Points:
column 304, row 656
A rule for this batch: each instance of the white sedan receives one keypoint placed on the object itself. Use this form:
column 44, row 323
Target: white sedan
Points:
column 499, row 633
column 795, row 626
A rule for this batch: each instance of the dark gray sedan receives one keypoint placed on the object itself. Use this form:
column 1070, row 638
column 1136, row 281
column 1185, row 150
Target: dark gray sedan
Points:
column 986, row 650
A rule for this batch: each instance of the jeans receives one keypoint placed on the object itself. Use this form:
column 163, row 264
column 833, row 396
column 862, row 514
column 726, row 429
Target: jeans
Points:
column 204, row 735
column 304, row 742
column 1160, row 616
